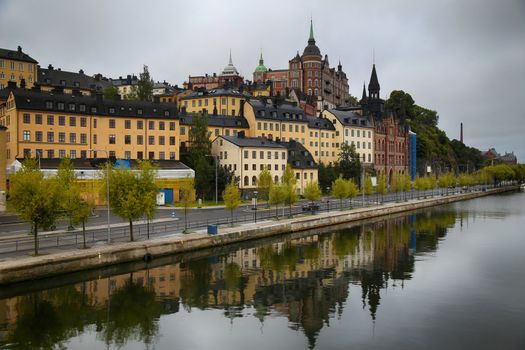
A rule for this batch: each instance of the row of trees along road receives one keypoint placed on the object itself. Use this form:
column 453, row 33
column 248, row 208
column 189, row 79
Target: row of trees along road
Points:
column 41, row 200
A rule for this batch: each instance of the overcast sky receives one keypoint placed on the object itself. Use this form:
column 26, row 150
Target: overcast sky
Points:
column 465, row 59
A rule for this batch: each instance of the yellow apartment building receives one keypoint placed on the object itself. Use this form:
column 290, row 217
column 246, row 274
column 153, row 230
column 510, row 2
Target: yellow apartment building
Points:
column 214, row 102
column 15, row 66
column 53, row 125
column 246, row 157
column 354, row 129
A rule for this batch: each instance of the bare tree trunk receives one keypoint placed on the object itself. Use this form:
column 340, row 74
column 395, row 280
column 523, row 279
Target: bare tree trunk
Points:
column 35, row 227
column 84, row 233
column 147, row 226
column 131, row 230
column 231, row 212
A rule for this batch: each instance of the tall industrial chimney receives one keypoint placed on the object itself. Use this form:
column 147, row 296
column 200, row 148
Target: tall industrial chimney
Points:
column 461, row 133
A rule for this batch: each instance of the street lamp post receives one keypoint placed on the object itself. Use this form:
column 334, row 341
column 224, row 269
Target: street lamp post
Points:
column 328, row 199
column 107, row 188
column 255, row 193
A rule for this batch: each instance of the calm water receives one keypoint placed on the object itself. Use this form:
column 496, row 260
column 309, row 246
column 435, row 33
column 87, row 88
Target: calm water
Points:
column 448, row 278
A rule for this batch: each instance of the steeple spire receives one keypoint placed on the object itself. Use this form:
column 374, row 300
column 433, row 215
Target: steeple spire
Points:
column 311, row 38
column 373, row 86
column 230, row 61
column 364, row 91
column 261, row 61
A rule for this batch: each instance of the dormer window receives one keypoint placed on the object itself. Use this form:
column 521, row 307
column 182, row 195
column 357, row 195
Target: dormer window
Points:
column 71, row 106
column 111, row 110
column 63, row 82
column 82, row 108
column 139, row 111
column 76, row 84
column 93, row 109
column 60, row 106
column 49, row 104
column 166, row 113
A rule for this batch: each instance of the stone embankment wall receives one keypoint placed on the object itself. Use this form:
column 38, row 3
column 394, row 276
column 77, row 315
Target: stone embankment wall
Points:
column 31, row 268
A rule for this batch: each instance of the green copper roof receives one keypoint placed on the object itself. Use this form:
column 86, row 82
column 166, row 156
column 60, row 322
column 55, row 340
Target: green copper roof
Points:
column 261, row 67
column 311, row 31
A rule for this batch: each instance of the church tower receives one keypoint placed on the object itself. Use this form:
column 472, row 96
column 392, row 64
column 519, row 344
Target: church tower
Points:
column 375, row 105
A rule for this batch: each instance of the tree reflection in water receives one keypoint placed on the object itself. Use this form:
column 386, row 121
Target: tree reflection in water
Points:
column 306, row 279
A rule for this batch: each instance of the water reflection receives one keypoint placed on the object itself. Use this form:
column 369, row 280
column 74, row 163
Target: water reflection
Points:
column 306, row 280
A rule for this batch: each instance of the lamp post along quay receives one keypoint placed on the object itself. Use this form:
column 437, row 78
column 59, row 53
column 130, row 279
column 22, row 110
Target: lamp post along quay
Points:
column 107, row 188
column 255, row 194
column 216, row 161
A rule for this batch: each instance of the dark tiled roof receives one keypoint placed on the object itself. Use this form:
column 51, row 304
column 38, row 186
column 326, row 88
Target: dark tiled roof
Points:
column 298, row 156
column 218, row 120
column 18, row 55
column 74, row 80
column 350, row 118
column 37, row 100
column 252, row 142
column 215, row 92
column 93, row 163
column 280, row 111
column 320, row 123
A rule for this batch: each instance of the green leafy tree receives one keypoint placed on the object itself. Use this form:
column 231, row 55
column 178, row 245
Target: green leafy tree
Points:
column 277, row 196
column 407, row 184
column 143, row 91
column 148, row 185
column 349, row 165
column 367, row 187
column 351, row 188
column 198, row 155
column 340, row 190
column 66, row 181
column 289, row 182
column 381, row 186
column 446, row 180
column 110, row 92
column 397, row 185
column 34, row 198
column 125, row 195
column 312, row 192
column 264, row 183
column 187, row 199
column 327, row 175
column 232, row 198
column 420, row 184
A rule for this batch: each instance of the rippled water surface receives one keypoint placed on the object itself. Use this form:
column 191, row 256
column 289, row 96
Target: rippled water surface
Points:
column 452, row 277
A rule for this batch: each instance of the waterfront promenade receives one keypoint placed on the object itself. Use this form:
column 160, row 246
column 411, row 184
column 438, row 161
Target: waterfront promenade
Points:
column 24, row 268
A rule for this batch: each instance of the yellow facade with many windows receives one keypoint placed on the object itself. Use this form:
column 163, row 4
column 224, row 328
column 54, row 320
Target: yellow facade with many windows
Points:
column 55, row 126
column 16, row 66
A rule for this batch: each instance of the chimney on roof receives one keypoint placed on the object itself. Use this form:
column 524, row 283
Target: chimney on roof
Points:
column 19, row 49
column 82, row 72
column 241, row 111
column 50, row 67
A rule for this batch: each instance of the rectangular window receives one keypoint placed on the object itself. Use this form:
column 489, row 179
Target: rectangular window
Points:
column 151, row 125
column 127, row 155
column 161, row 140
column 161, row 126
column 38, row 119
column 72, row 154
column 140, row 140
column 83, row 139
column 140, row 124
column 172, row 140
column 246, row 153
column 245, row 166
column 95, row 123
column 112, row 123
column 151, row 140
column 50, row 153
column 172, row 154
column 182, row 130
column 61, row 120
column 127, row 124
column 254, row 154
column 82, row 108
column 112, row 139
column 127, row 139
column 27, row 118
column 38, row 136
column 95, row 139
column 140, row 155
column 254, row 166
column 258, row 125
column 62, row 153
column 172, row 126
column 261, row 154
column 83, row 122
column 151, row 155
column 72, row 121
column 269, row 156
column 72, row 138
column 60, row 106
column 50, row 137
column 162, row 155
column 27, row 135
column 83, row 154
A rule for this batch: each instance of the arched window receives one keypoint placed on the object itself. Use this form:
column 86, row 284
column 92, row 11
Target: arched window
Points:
column 309, row 82
column 254, row 180
column 316, row 92
column 246, row 181
column 276, row 179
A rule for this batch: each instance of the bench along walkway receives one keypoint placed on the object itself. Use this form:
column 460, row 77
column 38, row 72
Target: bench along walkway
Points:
column 28, row 268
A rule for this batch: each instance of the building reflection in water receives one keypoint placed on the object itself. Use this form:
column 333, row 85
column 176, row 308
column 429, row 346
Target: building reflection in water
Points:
column 306, row 280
